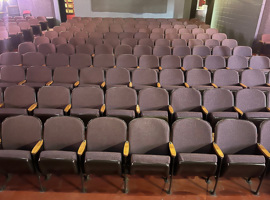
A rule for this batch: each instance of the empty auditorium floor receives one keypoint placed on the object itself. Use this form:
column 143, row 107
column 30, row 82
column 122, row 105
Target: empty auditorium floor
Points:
column 110, row 187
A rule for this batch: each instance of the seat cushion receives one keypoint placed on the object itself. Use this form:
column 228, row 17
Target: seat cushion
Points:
column 67, row 85
column 6, row 84
column 196, row 164
column 262, row 88
column 13, row 111
column 155, row 113
column 172, row 87
column 60, row 162
column 88, row 85
column 248, row 159
column 110, row 86
column 233, row 88
column 48, row 111
column 121, row 112
column 224, row 115
column 202, row 87
column 257, row 115
column 35, row 85
column 84, row 111
column 140, row 87
column 103, row 163
column 16, row 161
column 150, row 164
column 243, row 165
column 186, row 114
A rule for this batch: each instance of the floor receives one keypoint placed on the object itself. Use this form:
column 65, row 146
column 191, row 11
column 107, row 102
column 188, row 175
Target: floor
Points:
column 149, row 188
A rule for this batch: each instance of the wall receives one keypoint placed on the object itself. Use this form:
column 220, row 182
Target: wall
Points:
column 38, row 7
column 83, row 9
column 238, row 19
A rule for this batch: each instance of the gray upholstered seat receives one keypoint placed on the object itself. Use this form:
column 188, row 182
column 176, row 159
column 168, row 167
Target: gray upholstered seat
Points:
column 171, row 79
column 143, row 78
column 117, row 77
column 65, row 76
column 92, row 77
column 199, row 79
column 19, row 136
column 227, row 79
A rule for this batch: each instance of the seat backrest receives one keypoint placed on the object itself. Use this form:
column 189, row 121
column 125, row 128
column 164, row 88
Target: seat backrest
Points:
column 53, row 97
column 91, row 75
column 235, row 136
column 253, row 77
column 37, row 74
column 192, row 136
column 41, row 40
column 148, row 61
column 66, row 34
column 65, row 75
column 10, row 58
column 106, row 134
column 104, row 61
column 46, row 48
column 140, row 50
column 198, row 77
column 149, row 136
column 122, row 49
column 33, row 59
column 203, row 36
column 121, row 98
column 20, row 132
column 112, row 35
column 85, row 49
column 80, row 60
column 222, row 51
column 126, row 61
column 181, row 51
column 57, row 60
column 186, row 99
column 211, row 31
column 259, row 62
column 117, row 76
column 125, row 35
column 224, row 77
column 194, row 42
column 187, row 36
column 26, row 47
column 161, row 51
column 103, row 49
column 170, row 77
column 179, row 42
column 217, row 100
column 211, row 43
column 153, row 99
column 51, row 34
column 201, row 50
column 146, row 42
column 250, row 100
column 237, row 62
column 170, row 62
column 162, row 42
column 215, row 62
column 231, row 43
column 129, row 41
column 144, row 77
column 112, row 42
column 242, row 51
column 219, row 36
column 76, row 41
column 63, row 133
column 87, row 97
column 192, row 62
column 19, row 96
column 13, row 74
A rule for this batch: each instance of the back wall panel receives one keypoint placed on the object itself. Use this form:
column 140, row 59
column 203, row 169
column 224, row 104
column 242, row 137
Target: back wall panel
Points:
column 130, row 6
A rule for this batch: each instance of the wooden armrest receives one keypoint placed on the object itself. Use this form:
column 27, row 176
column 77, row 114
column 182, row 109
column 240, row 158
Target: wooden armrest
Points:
column 205, row 68
column 103, row 84
column 126, row 149
column 268, row 109
column 82, row 148
column 102, row 109
column 32, row 107
column 238, row 110
column 218, row 150
column 263, row 150
column 160, row 68
column 250, row 67
column 138, row 67
column 268, row 84
column 227, row 68
column 214, row 85
column 37, row 147
column 158, row 85
column 130, row 84
column 91, row 65
column 76, row 83
column 186, row 85
column 138, row 110
column 172, row 149
column 243, row 85
column 22, row 82
column 183, row 69
column 93, row 55
column 114, row 66
column 204, row 109
column 171, row 109
column 67, row 108
column 49, row 83
column 1, row 105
